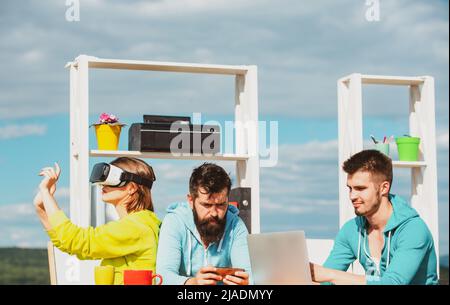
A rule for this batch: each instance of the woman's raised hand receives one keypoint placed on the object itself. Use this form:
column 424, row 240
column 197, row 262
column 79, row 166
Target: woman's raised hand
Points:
column 51, row 176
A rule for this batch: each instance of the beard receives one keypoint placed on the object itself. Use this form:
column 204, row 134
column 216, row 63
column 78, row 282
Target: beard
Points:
column 366, row 210
column 359, row 213
column 211, row 229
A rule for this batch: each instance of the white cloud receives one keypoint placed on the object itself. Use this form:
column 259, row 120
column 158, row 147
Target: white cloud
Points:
column 142, row 49
column 17, row 131
column 442, row 140
column 32, row 56
column 311, row 151
column 21, row 226
column 294, row 46
column 303, row 170
column 298, row 205
column 16, row 211
column 23, row 237
column 174, row 8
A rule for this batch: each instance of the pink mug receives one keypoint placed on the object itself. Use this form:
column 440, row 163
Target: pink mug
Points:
column 140, row 277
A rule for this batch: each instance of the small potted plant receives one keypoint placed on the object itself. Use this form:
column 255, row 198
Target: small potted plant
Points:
column 108, row 131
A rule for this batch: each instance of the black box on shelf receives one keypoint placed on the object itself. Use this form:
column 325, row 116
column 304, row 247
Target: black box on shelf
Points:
column 241, row 197
column 173, row 134
column 148, row 118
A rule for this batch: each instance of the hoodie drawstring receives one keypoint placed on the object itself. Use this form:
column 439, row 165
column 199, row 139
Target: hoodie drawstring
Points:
column 220, row 244
column 189, row 255
column 359, row 245
column 388, row 250
column 219, row 248
column 364, row 245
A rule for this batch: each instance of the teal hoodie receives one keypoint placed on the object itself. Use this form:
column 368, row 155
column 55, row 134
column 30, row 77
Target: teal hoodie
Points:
column 408, row 255
column 181, row 252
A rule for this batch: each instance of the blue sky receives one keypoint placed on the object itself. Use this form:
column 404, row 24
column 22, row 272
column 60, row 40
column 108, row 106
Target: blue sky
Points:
column 301, row 48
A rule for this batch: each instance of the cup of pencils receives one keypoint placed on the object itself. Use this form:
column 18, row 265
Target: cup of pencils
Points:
column 384, row 145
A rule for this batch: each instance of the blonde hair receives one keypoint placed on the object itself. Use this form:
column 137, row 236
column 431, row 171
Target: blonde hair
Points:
column 142, row 198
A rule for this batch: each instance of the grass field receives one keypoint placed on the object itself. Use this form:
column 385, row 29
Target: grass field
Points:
column 24, row 266
column 30, row 267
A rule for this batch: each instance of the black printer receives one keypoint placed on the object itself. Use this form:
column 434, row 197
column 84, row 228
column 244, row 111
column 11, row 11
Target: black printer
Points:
column 173, row 134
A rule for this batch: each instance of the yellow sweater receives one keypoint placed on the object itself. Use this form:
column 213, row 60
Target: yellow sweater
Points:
column 129, row 243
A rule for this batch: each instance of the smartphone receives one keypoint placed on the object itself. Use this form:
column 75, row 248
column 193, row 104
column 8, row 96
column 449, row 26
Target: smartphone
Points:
column 223, row 271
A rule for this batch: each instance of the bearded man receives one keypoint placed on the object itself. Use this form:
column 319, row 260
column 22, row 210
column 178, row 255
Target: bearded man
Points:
column 205, row 233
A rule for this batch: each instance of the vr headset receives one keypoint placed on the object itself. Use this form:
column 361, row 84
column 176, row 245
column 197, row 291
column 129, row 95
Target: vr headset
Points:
column 111, row 175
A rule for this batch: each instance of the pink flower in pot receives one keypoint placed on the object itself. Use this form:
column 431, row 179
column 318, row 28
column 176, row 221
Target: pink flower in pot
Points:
column 106, row 118
column 108, row 131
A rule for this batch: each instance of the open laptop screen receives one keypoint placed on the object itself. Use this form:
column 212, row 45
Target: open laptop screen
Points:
column 279, row 258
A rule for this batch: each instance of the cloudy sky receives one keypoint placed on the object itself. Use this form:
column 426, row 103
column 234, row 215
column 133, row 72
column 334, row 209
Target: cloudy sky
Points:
column 301, row 48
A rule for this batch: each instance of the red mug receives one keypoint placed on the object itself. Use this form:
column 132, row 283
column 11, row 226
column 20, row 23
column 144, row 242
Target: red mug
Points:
column 140, row 277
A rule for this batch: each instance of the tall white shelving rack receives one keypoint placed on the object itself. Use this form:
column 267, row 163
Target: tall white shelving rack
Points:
column 246, row 153
column 424, row 191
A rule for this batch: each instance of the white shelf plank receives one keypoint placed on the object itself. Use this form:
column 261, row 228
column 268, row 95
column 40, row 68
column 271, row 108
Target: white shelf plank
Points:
column 408, row 164
column 391, row 80
column 102, row 63
column 158, row 155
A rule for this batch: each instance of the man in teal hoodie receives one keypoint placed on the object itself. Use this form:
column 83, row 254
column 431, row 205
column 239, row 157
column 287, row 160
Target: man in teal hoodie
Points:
column 204, row 233
column 387, row 237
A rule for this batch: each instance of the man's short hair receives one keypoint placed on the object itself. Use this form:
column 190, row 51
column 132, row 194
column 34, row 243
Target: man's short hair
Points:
column 211, row 177
column 372, row 161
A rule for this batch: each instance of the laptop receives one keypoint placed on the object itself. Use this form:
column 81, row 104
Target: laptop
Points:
column 279, row 258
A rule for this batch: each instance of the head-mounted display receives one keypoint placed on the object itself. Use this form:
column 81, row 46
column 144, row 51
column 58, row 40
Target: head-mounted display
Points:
column 111, row 175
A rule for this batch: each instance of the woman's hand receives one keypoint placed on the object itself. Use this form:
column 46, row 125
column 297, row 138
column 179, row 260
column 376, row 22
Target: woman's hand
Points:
column 38, row 203
column 48, row 183
column 44, row 201
column 40, row 209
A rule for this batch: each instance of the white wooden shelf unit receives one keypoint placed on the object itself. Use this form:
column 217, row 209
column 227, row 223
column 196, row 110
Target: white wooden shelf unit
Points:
column 246, row 153
column 424, row 191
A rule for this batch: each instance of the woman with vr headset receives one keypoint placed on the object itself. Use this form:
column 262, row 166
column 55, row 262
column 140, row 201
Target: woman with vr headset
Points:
column 129, row 243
